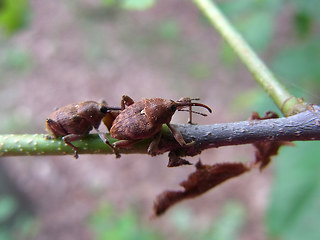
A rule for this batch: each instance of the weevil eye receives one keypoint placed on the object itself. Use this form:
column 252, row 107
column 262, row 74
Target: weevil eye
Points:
column 104, row 109
column 173, row 108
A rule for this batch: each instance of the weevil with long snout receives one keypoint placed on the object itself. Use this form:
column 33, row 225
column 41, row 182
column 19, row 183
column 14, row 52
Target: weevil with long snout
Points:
column 74, row 121
column 144, row 119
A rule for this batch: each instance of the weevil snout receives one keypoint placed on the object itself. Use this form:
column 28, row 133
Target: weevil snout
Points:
column 181, row 105
column 105, row 109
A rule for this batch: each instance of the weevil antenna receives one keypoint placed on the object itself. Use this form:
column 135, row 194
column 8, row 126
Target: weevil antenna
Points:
column 185, row 110
column 180, row 105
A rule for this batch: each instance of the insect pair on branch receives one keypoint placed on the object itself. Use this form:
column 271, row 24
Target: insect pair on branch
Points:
column 130, row 123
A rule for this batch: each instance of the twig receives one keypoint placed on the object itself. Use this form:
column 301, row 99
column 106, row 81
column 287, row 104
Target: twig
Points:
column 287, row 103
column 304, row 126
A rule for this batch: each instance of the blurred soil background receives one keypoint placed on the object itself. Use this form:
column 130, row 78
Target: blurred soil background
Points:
column 72, row 51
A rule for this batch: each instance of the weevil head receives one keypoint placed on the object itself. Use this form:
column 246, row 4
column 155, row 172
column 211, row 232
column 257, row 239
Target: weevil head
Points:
column 160, row 110
column 104, row 109
column 109, row 114
column 94, row 112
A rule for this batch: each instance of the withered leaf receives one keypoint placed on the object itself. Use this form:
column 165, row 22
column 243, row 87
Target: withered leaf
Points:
column 267, row 115
column 203, row 179
column 175, row 160
column 265, row 150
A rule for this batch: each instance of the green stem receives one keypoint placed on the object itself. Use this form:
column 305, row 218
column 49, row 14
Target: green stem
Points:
column 287, row 103
column 37, row 144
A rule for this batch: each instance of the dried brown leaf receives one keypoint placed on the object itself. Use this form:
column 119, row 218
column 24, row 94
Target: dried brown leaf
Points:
column 267, row 115
column 265, row 150
column 175, row 160
column 203, row 179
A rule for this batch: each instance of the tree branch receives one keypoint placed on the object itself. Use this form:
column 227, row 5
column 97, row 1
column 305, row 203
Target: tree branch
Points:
column 304, row 126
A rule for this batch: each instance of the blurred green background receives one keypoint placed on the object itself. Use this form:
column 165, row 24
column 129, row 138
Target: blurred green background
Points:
column 55, row 53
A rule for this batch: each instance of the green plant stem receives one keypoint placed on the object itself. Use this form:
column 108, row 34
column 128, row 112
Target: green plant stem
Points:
column 37, row 144
column 287, row 103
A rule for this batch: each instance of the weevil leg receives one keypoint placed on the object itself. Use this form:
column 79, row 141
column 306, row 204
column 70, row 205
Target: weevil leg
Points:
column 125, row 143
column 55, row 129
column 49, row 137
column 154, row 145
column 187, row 99
column 73, row 137
column 177, row 135
column 190, row 115
column 175, row 160
column 126, row 101
column 105, row 139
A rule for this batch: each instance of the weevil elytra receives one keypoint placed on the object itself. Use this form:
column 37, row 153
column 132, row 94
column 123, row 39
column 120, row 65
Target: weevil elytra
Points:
column 144, row 119
column 74, row 121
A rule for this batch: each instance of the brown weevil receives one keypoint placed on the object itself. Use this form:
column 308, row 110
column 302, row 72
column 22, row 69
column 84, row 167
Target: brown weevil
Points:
column 74, row 121
column 144, row 119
